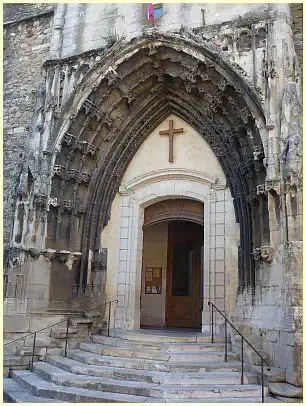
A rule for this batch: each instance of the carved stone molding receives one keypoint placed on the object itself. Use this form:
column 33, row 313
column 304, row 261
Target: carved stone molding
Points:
column 273, row 185
column 295, row 250
column 84, row 147
column 61, row 256
column 179, row 73
column 258, row 152
column 264, row 253
column 78, row 208
column 267, row 253
column 174, row 209
column 40, row 199
column 100, row 259
column 257, row 254
column 34, row 253
column 176, row 174
column 292, row 185
column 261, row 190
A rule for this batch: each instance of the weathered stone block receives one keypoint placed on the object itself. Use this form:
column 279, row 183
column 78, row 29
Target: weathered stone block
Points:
column 271, row 374
column 287, row 338
column 286, row 390
column 16, row 323
column 272, row 336
column 294, row 378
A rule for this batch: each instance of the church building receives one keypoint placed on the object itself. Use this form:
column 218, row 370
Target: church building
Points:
column 152, row 174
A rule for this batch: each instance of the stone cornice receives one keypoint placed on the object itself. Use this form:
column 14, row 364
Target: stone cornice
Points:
column 174, row 174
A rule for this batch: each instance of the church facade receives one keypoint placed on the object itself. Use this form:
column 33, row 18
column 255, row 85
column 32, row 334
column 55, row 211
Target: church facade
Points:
column 154, row 158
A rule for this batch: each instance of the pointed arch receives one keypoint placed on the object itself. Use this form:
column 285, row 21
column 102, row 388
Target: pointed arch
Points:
column 117, row 105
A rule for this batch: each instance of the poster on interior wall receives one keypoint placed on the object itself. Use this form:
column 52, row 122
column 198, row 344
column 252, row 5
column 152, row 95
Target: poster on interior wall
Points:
column 153, row 280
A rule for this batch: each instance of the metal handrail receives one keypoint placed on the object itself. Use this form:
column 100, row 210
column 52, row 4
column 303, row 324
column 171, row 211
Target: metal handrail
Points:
column 67, row 327
column 242, row 340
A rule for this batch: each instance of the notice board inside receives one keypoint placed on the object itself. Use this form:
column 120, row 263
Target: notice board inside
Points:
column 153, row 281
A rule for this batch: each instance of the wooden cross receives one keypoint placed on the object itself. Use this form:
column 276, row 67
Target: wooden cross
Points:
column 170, row 134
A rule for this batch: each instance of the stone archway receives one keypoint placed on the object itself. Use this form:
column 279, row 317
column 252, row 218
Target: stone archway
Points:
column 117, row 105
column 141, row 193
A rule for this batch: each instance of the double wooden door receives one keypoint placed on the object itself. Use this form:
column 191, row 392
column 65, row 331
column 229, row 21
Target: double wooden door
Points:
column 184, row 300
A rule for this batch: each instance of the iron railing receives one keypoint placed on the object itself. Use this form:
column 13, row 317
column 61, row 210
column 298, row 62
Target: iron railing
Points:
column 212, row 307
column 67, row 321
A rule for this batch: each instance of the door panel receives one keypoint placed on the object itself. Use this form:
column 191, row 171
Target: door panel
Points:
column 183, row 301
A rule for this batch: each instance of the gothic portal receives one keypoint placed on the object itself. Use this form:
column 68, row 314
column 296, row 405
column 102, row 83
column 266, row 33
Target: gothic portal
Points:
column 158, row 166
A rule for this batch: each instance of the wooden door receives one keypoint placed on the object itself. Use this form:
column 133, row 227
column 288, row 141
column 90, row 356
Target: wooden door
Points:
column 184, row 281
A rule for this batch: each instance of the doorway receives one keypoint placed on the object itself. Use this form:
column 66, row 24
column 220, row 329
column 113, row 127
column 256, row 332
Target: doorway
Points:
column 172, row 265
column 184, row 292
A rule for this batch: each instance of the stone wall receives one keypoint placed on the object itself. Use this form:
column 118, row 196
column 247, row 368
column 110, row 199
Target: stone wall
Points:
column 17, row 12
column 88, row 26
column 297, row 30
column 26, row 47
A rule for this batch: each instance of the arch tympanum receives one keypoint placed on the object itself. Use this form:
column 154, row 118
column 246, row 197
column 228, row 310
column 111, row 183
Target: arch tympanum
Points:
column 118, row 104
column 174, row 209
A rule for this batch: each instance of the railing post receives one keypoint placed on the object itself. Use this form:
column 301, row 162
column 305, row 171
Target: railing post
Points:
column 242, row 361
column 33, row 351
column 225, row 337
column 66, row 338
column 109, row 314
column 262, row 383
column 212, row 323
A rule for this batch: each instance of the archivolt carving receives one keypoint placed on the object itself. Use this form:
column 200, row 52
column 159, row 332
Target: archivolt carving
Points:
column 116, row 108
column 176, row 209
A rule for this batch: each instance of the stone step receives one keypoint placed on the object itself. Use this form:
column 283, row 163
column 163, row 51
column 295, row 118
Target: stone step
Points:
column 152, row 365
column 63, row 378
column 13, row 392
column 253, row 399
column 167, row 336
column 154, row 354
column 215, row 391
column 175, row 390
column 39, row 387
column 166, row 347
column 78, row 368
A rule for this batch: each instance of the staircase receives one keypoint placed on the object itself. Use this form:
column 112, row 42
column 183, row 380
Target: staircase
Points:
column 138, row 366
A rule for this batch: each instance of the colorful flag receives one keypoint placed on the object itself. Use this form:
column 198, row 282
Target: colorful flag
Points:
column 155, row 11
column 150, row 13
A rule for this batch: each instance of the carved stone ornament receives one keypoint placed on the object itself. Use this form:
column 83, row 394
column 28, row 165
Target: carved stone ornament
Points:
column 189, row 210
column 40, row 199
column 257, row 254
column 267, row 253
column 58, row 170
column 63, row 256
column 264, row 253
column 101, row 259
column 273, row 184
column 258, row 152
column 68, row 139
column 295, row 250
column 68, row 205
column 34, row 253
column 49, row 254
column 291, row 189
column 16, row 256
column 261, row 190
